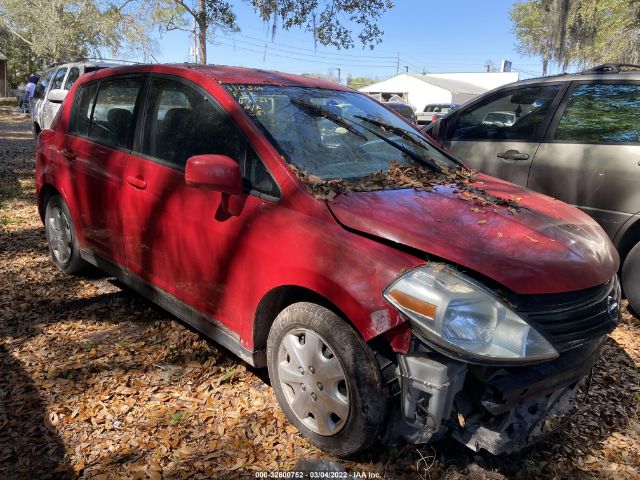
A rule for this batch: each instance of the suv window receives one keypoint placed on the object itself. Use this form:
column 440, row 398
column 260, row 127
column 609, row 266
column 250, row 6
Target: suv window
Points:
column 513, row 115
column 112, row 120
column 181, row 122
column 74, row 73
column 58, row 78
column 601, row 113
column 83, row 107
column 43, row 83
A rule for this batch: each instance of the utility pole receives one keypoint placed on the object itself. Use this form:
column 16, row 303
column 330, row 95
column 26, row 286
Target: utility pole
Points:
column 398, row 63
column 338, row 76
column 406, row 69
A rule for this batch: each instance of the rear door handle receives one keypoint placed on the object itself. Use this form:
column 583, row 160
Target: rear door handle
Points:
column 513, row 155
column 137, row 182
column 69, row 154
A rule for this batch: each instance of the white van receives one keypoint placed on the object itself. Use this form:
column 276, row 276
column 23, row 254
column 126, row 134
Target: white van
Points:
column 53, row 87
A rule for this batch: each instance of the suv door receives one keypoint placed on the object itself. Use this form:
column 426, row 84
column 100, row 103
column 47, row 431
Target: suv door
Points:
column 49, row 109
column 178, row 237
column 499, row 134
column 591, row 154
column 37, row 102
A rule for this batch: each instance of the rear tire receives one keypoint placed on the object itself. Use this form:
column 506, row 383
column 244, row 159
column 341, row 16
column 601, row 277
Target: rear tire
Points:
column 61, row 237
column 326, row 379
column 631, row 278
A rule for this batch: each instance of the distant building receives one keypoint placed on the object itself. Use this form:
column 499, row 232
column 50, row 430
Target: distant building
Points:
column 4, row 84
column 421, row 90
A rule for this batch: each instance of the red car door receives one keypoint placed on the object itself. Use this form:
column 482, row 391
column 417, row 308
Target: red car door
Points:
column 178, row 237
column 95, row 152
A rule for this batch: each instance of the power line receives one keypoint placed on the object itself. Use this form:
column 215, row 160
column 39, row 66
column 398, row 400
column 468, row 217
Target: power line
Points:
column 302, row 49
column 304, row 55
column 334, row 64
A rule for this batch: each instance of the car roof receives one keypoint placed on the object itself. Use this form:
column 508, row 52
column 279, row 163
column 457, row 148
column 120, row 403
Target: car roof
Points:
column 587, row 75
column 83, row 64
column 225, row 74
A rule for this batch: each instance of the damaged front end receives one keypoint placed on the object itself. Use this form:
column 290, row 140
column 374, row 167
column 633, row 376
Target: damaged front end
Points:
column 500, row 397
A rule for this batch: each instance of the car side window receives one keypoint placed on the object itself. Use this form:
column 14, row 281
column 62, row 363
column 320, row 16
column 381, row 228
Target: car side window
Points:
column 516, row 115
column 83, row 107
column 112, row 121
column 601, row 113
column 180, row 122
column 58, row 78
column 43, row 83
column 74, row 73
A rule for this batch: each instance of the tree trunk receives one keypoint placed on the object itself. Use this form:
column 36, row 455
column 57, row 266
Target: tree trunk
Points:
column 202, row 31
column 545, row 66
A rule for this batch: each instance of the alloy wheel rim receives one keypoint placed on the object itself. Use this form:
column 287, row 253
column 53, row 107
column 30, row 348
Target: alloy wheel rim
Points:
column 313, row 381
column 59, row 231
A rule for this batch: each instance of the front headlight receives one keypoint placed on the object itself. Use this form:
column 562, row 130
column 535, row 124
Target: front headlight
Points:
column 452, row 311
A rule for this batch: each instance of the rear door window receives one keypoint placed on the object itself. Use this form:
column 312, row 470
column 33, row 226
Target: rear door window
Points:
column 43, row 83
column 515, row 115
column 601, row 113
column 83, row 108
column 74, row 73
column 58, row 78
column 112, row 121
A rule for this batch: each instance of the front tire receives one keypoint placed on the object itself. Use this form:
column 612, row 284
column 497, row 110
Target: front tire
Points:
column 61, row 237
column 326, row 379
column 631, row 278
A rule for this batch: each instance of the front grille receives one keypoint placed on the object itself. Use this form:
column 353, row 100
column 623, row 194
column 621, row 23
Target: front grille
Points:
column 572, row 319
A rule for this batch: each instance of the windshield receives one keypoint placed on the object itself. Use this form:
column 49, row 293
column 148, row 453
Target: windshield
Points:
column 334, row 134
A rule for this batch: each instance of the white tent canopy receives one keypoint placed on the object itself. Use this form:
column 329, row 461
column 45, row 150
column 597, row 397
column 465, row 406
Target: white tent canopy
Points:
column 421, row 90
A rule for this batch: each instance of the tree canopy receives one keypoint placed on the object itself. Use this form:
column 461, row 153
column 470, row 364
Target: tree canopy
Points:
column 329, row 21
column 52, row 31
column 578, row 32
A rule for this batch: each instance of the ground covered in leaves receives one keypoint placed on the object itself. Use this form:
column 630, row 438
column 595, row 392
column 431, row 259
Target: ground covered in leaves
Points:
column 97, row 383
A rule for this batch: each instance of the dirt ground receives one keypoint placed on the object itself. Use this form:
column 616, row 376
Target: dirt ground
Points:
column 97, row 383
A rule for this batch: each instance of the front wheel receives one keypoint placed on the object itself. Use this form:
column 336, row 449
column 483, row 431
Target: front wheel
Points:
column 326, row 379
column 631, row 278
column 61, row 237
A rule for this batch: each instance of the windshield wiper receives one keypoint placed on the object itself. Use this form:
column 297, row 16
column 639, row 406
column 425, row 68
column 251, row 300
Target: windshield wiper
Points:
column 321, row 112
column 401, row 132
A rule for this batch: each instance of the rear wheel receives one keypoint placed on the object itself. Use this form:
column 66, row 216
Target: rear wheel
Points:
column 61, row 237
column 631, row 278
column 326, row 379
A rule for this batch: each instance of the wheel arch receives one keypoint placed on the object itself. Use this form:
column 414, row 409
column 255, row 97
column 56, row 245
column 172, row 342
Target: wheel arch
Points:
column 627, row 237
column 279, row 298
column 46, row 192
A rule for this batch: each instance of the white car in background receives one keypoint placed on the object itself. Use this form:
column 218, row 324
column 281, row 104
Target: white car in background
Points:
column 52, row 88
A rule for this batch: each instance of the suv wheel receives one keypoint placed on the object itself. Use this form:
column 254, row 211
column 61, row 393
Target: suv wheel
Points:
column 631, row 278
column 326, row 379
column 61, row 237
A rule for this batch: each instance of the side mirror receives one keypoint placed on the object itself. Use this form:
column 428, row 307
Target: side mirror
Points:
column 57, row 95
column 214, row 172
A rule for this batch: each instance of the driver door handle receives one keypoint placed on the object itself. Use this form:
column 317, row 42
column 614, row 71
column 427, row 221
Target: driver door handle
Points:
column 68, row 153
column 137, row 182
column 513, row 155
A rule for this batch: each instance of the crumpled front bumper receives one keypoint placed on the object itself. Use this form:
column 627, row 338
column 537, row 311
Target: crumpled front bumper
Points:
column 499, row 409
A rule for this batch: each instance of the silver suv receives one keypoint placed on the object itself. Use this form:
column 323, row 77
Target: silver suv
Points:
column 52, row 88
column 573, row 137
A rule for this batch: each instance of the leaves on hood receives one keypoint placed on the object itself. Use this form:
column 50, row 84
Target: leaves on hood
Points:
column 405, row 176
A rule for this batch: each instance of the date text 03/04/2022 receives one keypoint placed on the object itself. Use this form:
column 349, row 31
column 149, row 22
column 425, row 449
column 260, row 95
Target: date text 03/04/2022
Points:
column 320, row 475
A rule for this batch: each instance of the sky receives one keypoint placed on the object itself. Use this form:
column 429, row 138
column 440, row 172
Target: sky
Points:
column 419, row 35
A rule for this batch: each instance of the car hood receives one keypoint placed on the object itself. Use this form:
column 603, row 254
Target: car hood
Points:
column 542, row 246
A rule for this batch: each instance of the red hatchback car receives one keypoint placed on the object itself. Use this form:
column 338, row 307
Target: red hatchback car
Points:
column 392, row 293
